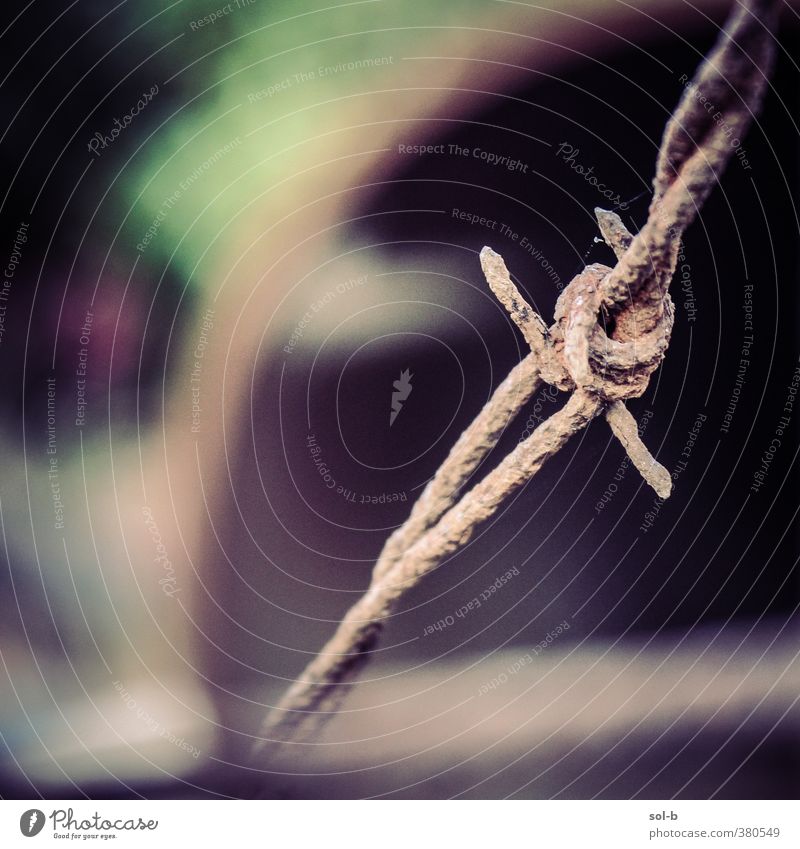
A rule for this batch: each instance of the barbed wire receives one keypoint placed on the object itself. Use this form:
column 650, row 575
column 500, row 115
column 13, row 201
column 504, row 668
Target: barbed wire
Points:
column 611, row 330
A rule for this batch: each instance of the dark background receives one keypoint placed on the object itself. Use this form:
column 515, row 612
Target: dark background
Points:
column 716, row 555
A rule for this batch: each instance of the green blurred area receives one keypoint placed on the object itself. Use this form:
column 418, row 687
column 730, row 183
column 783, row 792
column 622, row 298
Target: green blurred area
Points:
column 252, row 81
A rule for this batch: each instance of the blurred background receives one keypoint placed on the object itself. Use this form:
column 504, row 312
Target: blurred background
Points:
column 226, row 234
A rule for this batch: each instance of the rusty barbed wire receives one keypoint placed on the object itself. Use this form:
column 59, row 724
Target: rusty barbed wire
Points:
column 575, row 354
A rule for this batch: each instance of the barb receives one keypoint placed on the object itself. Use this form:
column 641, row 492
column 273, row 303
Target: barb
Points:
column 522, row 314
column 625, row 429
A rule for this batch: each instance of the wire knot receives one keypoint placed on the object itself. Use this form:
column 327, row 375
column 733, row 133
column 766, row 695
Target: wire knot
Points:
column 600, row 349
column 576, row 354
